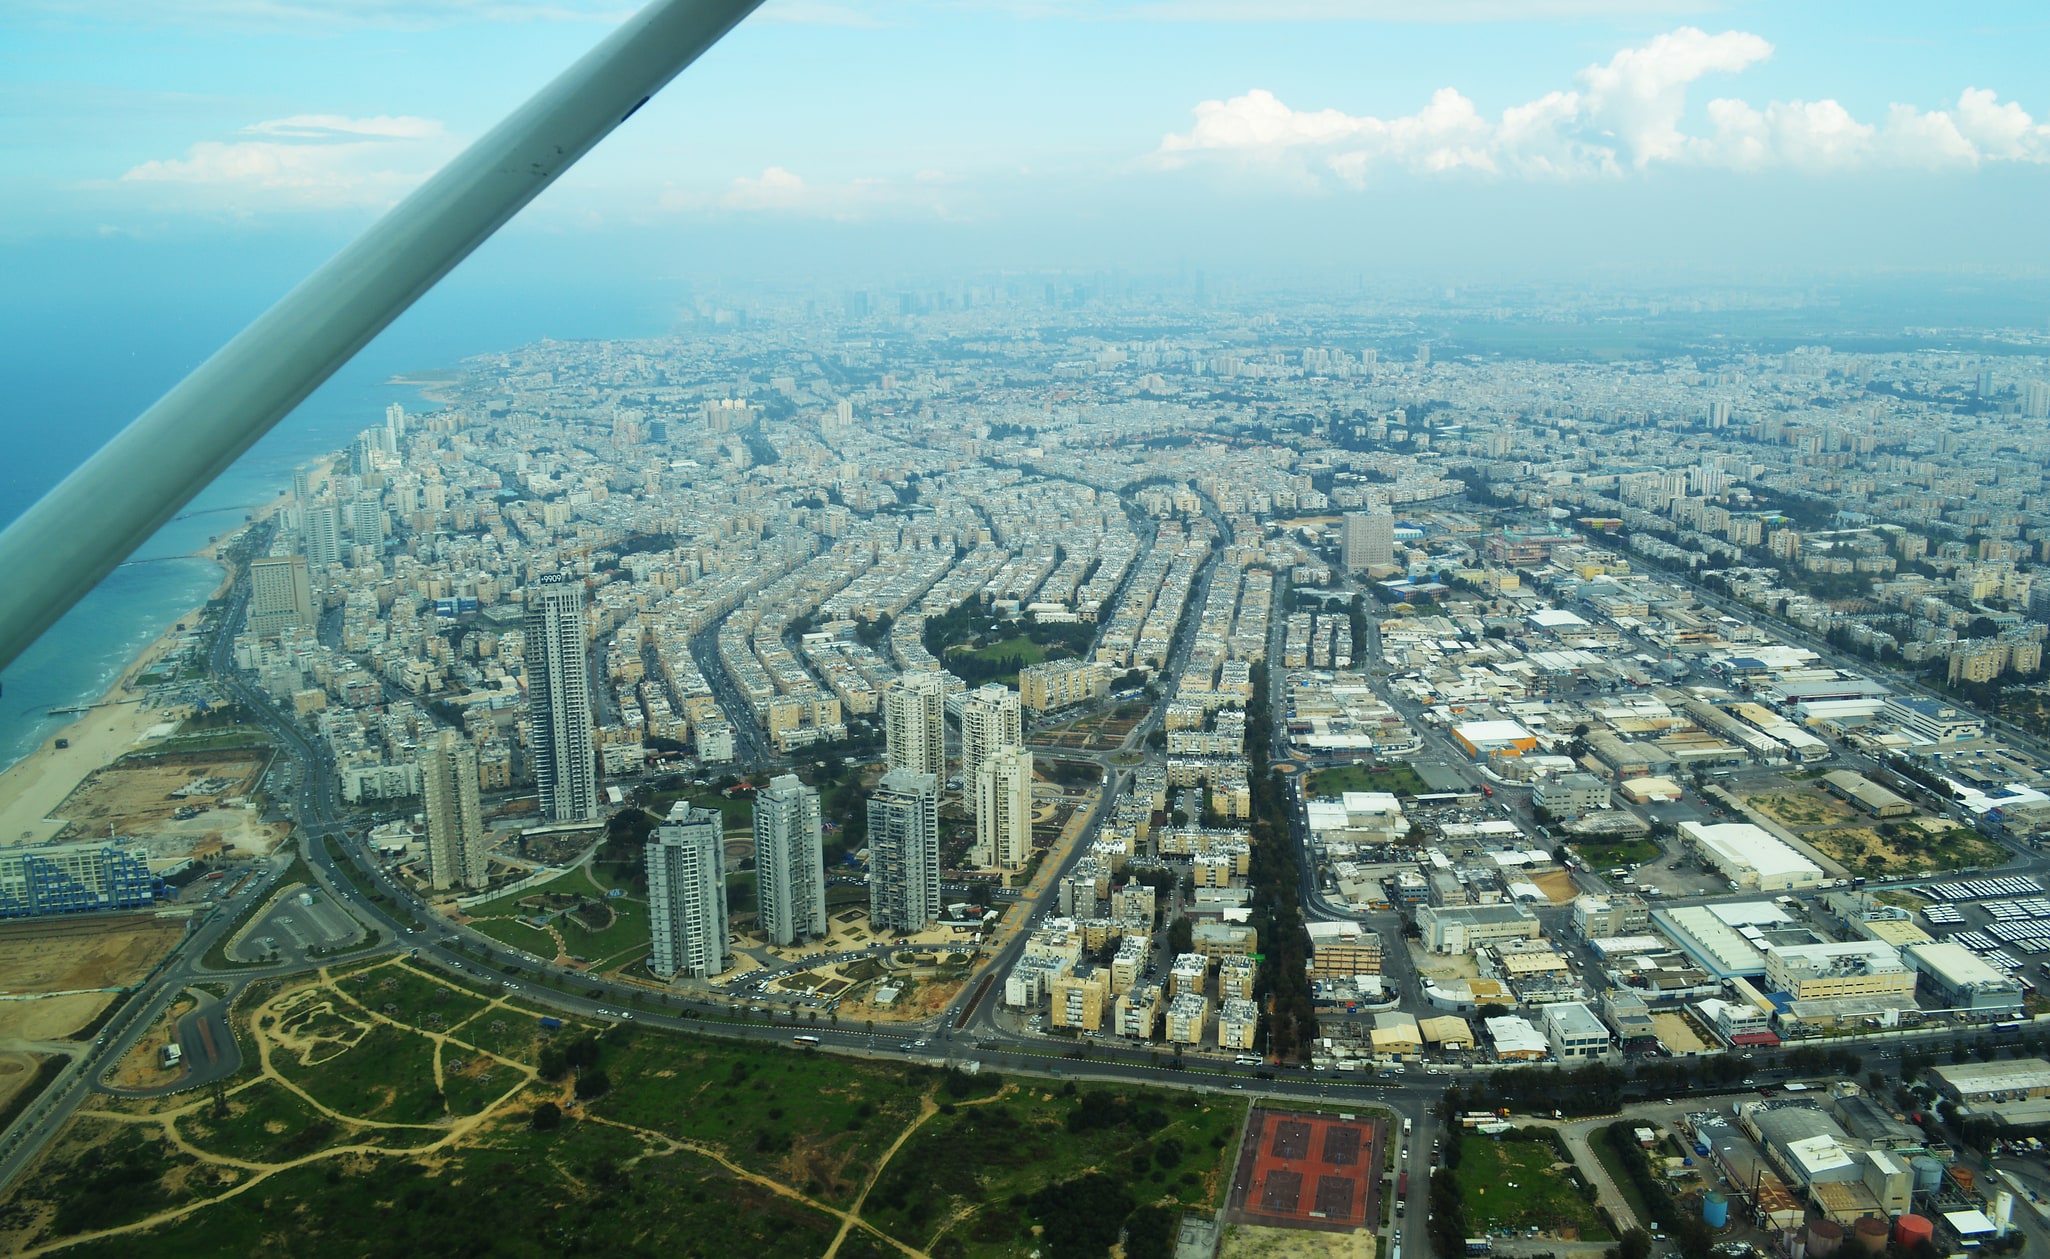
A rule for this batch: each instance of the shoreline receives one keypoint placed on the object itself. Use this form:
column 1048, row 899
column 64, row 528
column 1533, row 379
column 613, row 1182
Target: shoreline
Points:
column 40, row 782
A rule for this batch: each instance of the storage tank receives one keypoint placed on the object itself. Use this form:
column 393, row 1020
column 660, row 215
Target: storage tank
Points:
column 1824, row 1237
column 1870, row 1233
column 1964, row 1177
column 1715, row 1210
column 1928, row 1175
column 1911, row 1230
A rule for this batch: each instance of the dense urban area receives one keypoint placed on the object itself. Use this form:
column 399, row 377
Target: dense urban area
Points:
column 1046, row 768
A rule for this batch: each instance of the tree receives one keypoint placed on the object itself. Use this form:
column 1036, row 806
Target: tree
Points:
column 592, row 1083
column 546, row 1117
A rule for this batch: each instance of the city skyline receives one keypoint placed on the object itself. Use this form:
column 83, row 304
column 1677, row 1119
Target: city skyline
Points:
column 1068, row 627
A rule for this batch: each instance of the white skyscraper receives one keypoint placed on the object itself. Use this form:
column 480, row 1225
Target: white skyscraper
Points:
column 904, row 852
column 990, row 719
column 456, row 854
column 790, row 868
column 1003, row 809
column 366, row 520
column 321, row 533
column 687, row 894
column 280, row 594
column 395, row 425
column 1368, row 540
column 915, row 724
column 2036, row 400
column 559, row 700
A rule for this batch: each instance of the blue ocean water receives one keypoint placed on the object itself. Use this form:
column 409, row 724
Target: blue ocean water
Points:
column 77, row 362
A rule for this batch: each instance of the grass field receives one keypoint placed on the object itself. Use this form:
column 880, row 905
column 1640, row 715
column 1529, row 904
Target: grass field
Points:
column 738, row 811
column 1400, row 779
column 344, row 1145
column 622, row 929
column 1510, row 1183
column 1612, row 1162
column 951, row 1179
column 1027, row 651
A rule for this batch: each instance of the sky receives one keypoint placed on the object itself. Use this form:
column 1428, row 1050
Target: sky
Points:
column 159, row 146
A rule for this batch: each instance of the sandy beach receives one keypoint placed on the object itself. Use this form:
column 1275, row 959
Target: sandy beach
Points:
column 35, row 787
column 117, row 721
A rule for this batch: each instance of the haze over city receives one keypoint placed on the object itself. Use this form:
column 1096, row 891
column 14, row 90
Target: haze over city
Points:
column 1166, row 627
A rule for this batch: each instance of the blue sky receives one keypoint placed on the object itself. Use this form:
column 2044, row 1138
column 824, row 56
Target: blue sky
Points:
column 1358, row 133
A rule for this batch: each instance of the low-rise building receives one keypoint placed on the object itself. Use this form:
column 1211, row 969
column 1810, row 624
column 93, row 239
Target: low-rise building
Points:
column 1857, row 968
column 1571, row 795
column 1458, row 929
column 1187, row 1015
column 1606, row 917
column 1138, row 1012
column 1978, row 1083
column 1077, row 999
column 1961, row 979
column 1215, row 940
column 1574, row 1033
column 1866, row 794
column 1515, row 1040
column 1238, row 1022
column 1235, row 978
column 1129, row 963
column 1447, row 1033
column 1187, row 973
column 1751, row 858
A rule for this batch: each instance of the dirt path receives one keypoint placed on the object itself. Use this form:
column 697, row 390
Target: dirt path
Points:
column 848, row 1219
column 927, row 1108
column 452, row 1131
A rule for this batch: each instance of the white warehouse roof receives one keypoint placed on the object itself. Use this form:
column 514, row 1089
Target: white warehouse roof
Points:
column 1739, row 846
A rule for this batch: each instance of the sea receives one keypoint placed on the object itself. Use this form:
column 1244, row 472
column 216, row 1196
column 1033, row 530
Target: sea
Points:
column 71, row 375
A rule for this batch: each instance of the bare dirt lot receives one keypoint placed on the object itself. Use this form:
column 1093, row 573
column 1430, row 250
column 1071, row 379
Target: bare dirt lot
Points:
column 65, row 955
column 135, row 796
column 1097, row 733
column 142, row 1068
column 50, row 1018
column 1799, row 811
column 1251, row 1241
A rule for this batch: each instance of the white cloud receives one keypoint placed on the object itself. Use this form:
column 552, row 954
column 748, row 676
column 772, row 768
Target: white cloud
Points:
column 779, row 191
column 304, row 161
column 329, row 126
column 1641, row 94
column 1627, row 114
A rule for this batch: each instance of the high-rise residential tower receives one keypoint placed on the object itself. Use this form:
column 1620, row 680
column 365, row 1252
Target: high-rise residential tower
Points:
column 990, row 719
column 904, row 852
column 1003, row 808
column 559, row 700
column 686, row 859
column 1368, row 540
column 456, row 855
column 915, row 724
column 790, row 866
column 320, row 533
column 280, row 594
